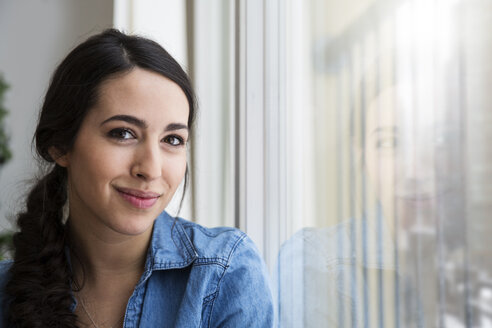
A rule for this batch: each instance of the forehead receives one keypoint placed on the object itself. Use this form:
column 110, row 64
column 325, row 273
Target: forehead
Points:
column 142, row 93
column 381, row 110
column 401, row 106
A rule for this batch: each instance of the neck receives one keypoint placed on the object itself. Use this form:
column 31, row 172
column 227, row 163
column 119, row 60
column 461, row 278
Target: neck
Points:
column 102, row 259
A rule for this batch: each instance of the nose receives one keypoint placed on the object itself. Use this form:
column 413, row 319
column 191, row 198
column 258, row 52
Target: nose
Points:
column 147, row 164
column 416, row 170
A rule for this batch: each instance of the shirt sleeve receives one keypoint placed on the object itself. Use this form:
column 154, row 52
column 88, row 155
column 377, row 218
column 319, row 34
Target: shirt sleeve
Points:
column 244, row 298
column 4, row 276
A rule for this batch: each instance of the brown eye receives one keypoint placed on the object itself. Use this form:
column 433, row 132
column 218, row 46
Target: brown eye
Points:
column 121, row 134
column 174, row 140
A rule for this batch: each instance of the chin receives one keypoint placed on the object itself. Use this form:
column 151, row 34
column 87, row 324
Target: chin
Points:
column 134, row 226
column 133, row 231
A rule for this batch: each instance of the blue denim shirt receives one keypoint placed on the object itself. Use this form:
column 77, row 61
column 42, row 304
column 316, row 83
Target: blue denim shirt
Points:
column 319, row 281
column 196, row 277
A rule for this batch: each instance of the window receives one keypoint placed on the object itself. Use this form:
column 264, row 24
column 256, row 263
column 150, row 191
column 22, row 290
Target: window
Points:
column 360, row 161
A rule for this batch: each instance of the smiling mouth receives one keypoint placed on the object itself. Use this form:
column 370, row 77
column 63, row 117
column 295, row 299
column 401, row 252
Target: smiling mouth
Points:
column 137, row 198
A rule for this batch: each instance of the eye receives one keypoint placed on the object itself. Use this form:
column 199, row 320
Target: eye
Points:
column 121, row 134
column 174, row 140
column 387, row 143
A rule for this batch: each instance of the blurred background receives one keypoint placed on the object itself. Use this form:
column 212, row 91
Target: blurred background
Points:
column 347, row 138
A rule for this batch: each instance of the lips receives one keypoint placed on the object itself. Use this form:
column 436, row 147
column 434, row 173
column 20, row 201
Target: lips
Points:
column 138, row 198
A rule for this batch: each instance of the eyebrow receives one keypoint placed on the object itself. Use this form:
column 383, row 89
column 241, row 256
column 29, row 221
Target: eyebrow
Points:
column 142, row 124
column 393, row 129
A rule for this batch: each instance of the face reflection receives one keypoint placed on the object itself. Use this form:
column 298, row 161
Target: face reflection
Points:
column 129, row 155
column 402, row 154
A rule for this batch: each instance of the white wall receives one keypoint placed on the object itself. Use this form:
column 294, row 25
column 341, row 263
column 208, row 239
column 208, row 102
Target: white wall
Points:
column 160, row 20
column 34, row 37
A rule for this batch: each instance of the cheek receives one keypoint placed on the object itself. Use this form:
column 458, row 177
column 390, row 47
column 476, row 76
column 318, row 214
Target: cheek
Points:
column 97, row 165
column 174, row 170
column 86, row 174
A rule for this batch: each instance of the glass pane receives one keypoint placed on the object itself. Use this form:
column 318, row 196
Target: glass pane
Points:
column 387, row 166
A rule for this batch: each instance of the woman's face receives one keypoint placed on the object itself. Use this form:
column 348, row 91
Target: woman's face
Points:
column 129, row 156
column 404, row 153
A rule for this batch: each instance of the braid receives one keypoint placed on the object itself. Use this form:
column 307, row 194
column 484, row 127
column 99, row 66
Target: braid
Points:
column 39, row 287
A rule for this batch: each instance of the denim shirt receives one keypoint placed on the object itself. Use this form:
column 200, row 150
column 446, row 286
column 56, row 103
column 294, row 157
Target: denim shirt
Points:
column 316, row 281
column 196, row 277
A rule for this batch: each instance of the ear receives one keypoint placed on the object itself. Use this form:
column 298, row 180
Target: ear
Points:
column 60, row 158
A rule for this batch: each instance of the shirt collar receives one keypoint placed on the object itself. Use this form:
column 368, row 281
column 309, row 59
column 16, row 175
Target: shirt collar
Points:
column 170, row 247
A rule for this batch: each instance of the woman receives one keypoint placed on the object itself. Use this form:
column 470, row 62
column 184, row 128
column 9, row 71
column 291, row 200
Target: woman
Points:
column 114, row 127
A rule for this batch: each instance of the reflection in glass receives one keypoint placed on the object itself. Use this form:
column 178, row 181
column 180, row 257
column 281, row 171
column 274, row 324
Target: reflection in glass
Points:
column 403, row 197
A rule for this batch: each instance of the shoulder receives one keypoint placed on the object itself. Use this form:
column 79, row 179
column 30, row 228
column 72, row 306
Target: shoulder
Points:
column 219, row 243
column 227, row 269
column 242, row 296
column 230, row 247
column 194, row 243
column 5, row 266
column 4, row 277
column 4, row 274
